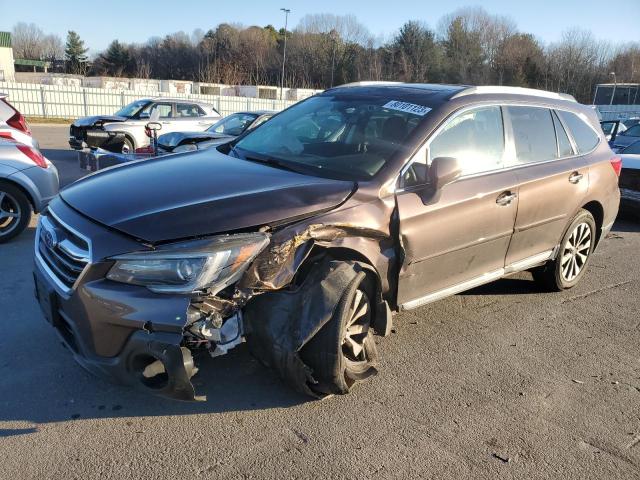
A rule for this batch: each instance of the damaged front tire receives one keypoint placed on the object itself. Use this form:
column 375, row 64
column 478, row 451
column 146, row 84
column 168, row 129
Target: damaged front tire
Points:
column 344, row 350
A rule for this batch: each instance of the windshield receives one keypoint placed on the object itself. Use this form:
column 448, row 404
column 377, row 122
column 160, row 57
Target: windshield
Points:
column 234, row 124
column 346, row 136
column 132, row 109
column 632, row 132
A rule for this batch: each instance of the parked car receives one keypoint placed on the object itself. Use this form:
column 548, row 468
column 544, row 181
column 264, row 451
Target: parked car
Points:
column 27, row 182
column 611, row 129
column 630, row 178
column 626, row 138
column 125, row 130
column 13, row 125
column 223, row 130
column 303, row 235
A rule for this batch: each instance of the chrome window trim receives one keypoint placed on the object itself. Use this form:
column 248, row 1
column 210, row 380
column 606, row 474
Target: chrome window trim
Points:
column 506, row 103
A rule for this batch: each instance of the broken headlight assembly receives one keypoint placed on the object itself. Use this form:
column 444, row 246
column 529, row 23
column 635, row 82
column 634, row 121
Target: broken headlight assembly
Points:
column 186, row 267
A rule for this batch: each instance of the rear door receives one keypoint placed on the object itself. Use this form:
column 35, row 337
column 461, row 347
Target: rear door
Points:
column 457, row 237
column 553, row 180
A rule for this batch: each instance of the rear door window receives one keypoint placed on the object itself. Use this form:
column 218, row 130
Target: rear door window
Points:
column 584, row 136
column 534, row 135
column 564, row 145
column 475, row 138
column 187, row 110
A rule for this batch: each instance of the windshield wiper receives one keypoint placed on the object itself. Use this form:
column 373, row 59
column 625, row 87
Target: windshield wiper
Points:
column 273, row 162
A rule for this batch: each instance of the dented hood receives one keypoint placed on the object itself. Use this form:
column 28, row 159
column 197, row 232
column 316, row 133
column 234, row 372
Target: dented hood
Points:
column 97, row 120
column 180, row 196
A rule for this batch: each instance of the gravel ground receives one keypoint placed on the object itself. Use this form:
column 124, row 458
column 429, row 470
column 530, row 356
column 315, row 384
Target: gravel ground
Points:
column 500, row 382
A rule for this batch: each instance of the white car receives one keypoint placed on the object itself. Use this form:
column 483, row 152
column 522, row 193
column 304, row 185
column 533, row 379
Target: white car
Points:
column 125, row 130
column 13, row 125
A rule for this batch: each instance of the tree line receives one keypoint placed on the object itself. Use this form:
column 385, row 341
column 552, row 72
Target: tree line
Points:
column 468, row 46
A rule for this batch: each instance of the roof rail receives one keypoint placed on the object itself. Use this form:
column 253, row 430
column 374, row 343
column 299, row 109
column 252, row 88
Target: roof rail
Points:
column 488, row 89
column 366, row 83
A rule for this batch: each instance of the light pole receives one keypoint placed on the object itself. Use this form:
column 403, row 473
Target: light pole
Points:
column 284, row 53
column 615, row 84
column 334, row 37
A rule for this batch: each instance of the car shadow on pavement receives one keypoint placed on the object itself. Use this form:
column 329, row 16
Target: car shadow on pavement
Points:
column 65, row 392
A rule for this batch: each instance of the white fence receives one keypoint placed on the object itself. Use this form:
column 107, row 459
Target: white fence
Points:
column 53, row 101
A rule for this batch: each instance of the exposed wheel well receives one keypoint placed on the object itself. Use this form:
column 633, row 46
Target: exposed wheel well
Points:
column 595, row 208
column 22, row 189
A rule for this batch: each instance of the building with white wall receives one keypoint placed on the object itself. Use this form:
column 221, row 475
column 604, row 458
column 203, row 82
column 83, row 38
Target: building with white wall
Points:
column 7, row 68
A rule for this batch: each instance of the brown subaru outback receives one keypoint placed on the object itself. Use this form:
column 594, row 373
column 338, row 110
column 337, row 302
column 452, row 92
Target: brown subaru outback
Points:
column 302, row 236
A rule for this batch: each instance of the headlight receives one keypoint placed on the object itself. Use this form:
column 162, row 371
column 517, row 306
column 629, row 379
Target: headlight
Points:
column 185, row 267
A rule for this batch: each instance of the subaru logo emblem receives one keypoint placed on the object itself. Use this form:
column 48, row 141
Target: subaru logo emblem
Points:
column 50, row 238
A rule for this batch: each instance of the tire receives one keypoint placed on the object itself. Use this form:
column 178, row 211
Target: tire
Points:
column 15, row 211
column 338, row 359
column 127, row 146
column 573, row 257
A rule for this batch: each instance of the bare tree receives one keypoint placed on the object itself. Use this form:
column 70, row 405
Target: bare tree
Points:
column 28, row 41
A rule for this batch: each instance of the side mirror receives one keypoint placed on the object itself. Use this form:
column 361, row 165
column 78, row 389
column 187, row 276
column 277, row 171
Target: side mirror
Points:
column 154, row 126
column 443, row 170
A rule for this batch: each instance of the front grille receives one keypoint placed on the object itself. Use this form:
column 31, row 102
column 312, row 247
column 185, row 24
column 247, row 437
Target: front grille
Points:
column 63, row 251
column 76, row 132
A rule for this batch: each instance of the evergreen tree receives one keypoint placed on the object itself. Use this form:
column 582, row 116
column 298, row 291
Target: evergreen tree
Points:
column 75, row 54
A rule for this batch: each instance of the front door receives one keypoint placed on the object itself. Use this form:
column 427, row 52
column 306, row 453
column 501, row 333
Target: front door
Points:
column 457, row 237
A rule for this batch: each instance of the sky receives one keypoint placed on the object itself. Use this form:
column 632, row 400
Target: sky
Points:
column 137, row 20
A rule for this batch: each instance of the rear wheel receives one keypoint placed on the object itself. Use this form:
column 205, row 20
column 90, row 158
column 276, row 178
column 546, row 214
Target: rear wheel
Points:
column 344, row 350
column 575, row 252
column 15, row 212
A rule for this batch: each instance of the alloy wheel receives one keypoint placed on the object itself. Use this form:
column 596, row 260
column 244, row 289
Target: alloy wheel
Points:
column 356, row 331
column 9, row 213
column 576, row 252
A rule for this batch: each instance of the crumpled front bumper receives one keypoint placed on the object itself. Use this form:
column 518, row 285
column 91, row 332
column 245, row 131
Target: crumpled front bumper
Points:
column 116, row 331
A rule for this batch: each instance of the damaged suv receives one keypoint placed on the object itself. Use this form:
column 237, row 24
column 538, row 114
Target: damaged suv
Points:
column 303, row 235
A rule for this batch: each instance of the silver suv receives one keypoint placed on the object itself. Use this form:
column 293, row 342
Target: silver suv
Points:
column 125, row 130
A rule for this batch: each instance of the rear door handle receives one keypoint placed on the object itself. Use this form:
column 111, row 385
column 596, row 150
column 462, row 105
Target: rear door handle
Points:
column 575, row 177
column 505, row 198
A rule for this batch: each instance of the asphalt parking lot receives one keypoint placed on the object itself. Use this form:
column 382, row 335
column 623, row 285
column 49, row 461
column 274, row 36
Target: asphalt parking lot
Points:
column 500, row 382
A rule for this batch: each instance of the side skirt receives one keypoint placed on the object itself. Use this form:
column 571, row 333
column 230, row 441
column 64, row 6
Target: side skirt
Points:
column 488, row 277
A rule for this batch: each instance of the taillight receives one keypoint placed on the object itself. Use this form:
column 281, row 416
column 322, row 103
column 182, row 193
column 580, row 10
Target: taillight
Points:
column 6, row 135
column 616, row 163
column 17, row 121
column 34, row 155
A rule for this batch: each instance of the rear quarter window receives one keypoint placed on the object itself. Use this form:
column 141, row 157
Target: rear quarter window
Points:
column 585, row 137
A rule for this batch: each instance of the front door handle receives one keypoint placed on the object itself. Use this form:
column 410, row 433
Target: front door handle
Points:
column 505, row 198
column 575, row 177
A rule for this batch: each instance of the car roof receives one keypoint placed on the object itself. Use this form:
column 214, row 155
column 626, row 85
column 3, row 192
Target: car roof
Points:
column 439, row 93
column 176, row 99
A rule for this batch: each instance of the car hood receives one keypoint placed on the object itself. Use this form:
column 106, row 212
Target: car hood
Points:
column 622, row 141
column 98, row 119
column 200, row 193
column 173, row 139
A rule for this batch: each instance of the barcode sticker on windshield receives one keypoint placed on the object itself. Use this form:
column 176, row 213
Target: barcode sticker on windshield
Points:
column 420, row 110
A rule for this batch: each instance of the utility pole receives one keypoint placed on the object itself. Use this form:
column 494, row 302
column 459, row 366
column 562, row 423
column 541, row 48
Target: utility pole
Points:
column 334, row 37
column 615, row 84
column 284, row 53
